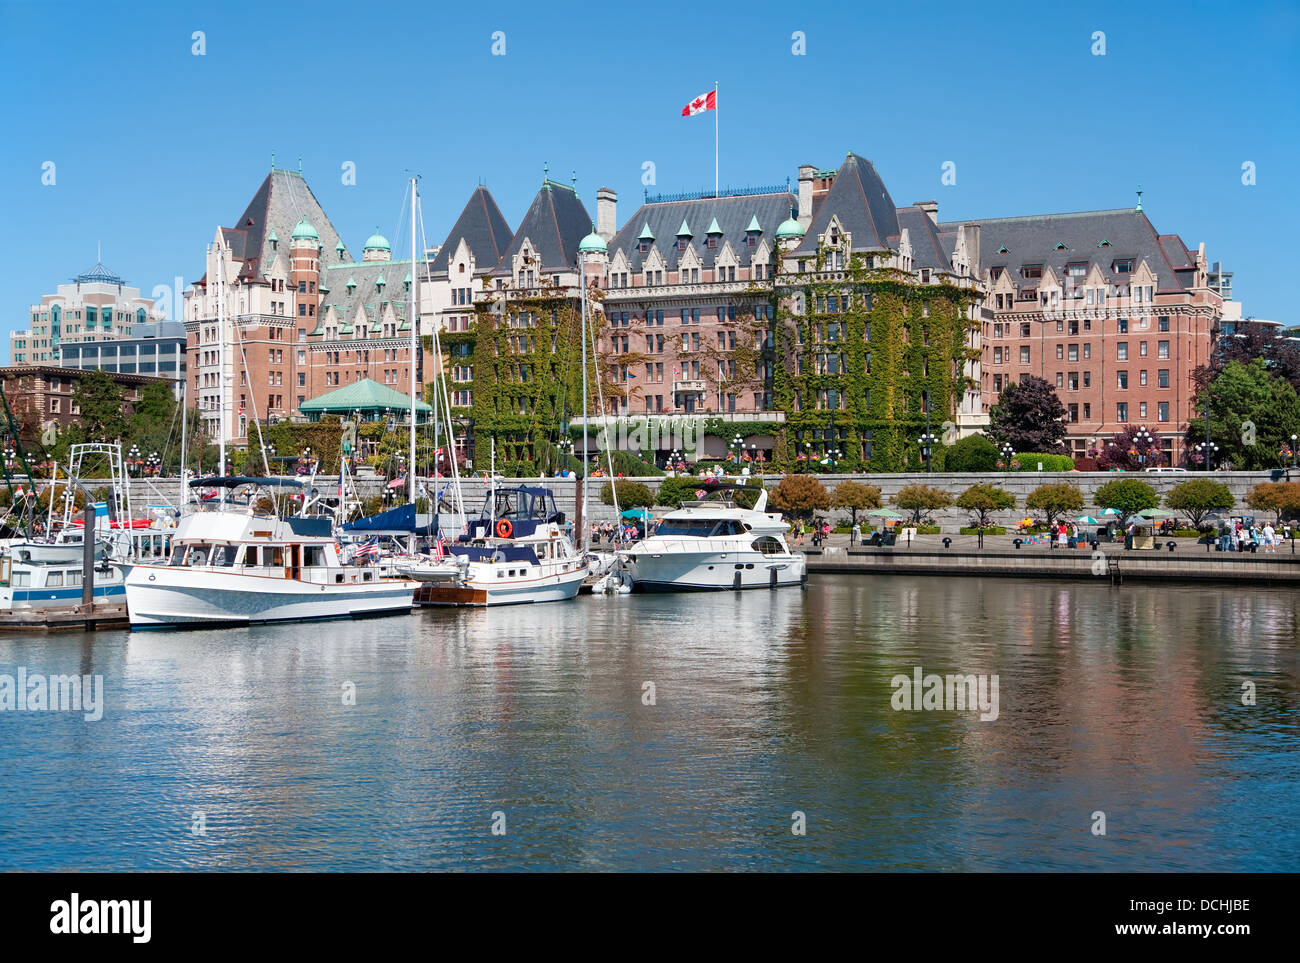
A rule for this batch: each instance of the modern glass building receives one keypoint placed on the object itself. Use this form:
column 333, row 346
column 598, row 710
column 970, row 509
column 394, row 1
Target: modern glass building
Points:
column 157, row 349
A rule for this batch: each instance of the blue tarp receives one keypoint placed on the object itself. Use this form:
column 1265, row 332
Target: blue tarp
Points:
column 400, row 519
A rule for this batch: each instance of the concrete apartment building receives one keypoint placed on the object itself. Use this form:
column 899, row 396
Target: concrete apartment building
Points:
column 1113, row 314
column 95, row 306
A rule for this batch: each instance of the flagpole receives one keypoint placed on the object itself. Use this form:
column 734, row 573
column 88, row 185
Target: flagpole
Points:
column 715, row 138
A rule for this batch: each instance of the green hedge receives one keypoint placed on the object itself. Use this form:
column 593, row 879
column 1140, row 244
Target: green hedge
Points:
column 990, row 530
column 1029, row 462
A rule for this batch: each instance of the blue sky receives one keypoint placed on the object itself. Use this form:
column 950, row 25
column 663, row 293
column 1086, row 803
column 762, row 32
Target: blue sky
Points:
column 155, row 147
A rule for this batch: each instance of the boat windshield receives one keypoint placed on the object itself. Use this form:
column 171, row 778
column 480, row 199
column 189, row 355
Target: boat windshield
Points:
column 700, row 527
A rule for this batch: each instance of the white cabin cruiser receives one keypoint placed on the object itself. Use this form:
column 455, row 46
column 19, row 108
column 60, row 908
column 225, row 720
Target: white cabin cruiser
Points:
column 515, row 552
column 714, row 544
column 238, row 563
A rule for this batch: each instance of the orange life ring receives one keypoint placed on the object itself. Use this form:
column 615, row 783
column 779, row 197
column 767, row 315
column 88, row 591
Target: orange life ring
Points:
column 504, row 528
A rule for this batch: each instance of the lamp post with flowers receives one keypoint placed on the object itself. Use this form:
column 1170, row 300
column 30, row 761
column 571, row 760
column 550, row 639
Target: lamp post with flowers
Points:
column 927, row 443
column 1208, row 451
column 1142, row 442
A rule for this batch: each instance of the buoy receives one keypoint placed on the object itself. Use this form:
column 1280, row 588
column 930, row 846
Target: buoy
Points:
column 504, row 528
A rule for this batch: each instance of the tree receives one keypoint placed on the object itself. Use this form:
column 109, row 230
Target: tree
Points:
column 1249, row 341
column 630, row 495
column 1127, row 452
column 971, row 454
column 1280, row 498
column 983, row 499
column 800, row 495
column 1028, row 416
column 1253, row 414
column 1128, row 495
column 1198, row 497
column 920, row 500
column 102, row 405
column 1055, row 500
column 856, row 497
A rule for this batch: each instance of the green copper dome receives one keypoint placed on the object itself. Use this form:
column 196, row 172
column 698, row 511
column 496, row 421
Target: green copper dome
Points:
column 377, row 242
column 304, row 230
column 593, row 243
column 789, row 228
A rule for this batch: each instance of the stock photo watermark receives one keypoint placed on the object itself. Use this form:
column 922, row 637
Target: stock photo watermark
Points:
column 946, row 693
column 36, row 692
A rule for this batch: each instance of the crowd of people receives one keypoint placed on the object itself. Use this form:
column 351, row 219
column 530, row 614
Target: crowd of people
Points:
column 609, row 533
column 1237, row 536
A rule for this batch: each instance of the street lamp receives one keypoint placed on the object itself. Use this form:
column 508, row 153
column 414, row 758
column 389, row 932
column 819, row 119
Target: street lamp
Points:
column 1294, row 439
column 927, row 442
column 268, row 455
column 1208, row 451
column 676, row 460
column 1007, row 454
column 10, row 456
column 154, row 464
column 1144, row 440
column 133, row 458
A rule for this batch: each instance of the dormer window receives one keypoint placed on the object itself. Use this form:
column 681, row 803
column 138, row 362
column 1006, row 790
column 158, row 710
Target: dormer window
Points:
column 682, row 242
column 1031, row 272
column 713, row 242
column 1103, row 243
column 1060, row 246
column 1003, row 250
column 1122, row 266
column 645, row 246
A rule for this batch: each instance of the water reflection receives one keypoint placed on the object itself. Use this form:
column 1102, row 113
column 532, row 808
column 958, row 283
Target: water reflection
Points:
column 1125, row 700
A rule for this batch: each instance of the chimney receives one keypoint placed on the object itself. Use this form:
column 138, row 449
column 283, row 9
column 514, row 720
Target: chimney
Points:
column 806, row 175
column 931, row 208
column 606, row 213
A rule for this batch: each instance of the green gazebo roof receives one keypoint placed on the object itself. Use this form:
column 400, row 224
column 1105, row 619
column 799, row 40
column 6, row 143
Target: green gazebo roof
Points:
column 364, row 395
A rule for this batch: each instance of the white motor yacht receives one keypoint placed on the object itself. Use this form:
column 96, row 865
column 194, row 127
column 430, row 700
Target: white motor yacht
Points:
column 715, row 544
column 238, row 563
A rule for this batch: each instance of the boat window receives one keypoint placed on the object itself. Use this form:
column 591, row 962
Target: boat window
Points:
column 199, row 554
column 273, row 555
column 22, row 578
column 313, row 555
column 74, row 577
column 697, row 527
column 4, row 571
column 178, row 555
column 250, row 555
column 54, row 579
column 768, row 545
column 224, row 554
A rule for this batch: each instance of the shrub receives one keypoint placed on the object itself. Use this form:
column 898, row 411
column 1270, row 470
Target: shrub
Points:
column 920, row 499
column 1055, row 500
column 971, row 454
column 630, row 495
column 1128, row 495
column 1198, row 497
column 800, row 495
column 856, row 497
column 1029, row 461
column 988, row 530
column 1280, row 498
column 983, row 499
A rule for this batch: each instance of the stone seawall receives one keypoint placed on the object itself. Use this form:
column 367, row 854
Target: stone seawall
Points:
column 1019, row 484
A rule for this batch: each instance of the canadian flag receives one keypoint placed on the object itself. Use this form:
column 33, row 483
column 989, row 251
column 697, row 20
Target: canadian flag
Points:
column 701, row 103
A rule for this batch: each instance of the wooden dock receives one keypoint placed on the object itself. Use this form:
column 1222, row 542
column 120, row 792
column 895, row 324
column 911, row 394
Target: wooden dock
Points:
column 102, row 615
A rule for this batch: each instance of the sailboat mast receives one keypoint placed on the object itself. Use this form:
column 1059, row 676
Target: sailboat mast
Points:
column 415, row 283
column 221, row 367
column 180, row 505
column 582, row 283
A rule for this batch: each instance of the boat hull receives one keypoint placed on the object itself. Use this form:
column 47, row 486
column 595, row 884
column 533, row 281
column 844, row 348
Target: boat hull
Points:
column 673, row 572
column 166, row 597
column 487, row 592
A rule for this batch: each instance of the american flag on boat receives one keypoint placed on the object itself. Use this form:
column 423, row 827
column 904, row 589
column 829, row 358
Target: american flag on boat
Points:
column 367, row 548
column 439, row 549
column 700, row 493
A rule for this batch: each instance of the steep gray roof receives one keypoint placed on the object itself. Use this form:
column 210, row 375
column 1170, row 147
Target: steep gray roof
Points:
column 928, row 246
column 282, row 200
column 1038, row 239
column 555, row 223
column 483, row 228
column 366, row 274
column 733, row 215
column 859, row 199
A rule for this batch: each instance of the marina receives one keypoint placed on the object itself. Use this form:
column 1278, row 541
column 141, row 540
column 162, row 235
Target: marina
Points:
column 765, row 703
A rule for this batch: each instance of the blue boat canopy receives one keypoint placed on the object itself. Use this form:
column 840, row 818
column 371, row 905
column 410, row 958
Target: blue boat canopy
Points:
column 400, row 520
column 235, row 481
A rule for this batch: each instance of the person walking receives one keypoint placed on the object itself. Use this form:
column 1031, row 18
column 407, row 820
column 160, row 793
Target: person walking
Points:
column 1270, row 543
column 855, row 535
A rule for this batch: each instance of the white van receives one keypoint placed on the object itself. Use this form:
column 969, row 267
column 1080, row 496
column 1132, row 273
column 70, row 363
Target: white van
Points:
column 1163, row 469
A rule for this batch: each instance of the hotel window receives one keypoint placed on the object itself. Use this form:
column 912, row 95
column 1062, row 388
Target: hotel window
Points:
column 1087, row 379
column 1162, row 349
column 997, row 382
column 1121, row 350
column 1121, row 411
column 997, row 355
column 1073, row 381
column 1123, row 325
column 1087, row 351
column 1122, row 379
column 1087, row 411
column 1060, row 352
column 1142, row 409
column 1060, row 380
column 1142, row 377
column 1164, row 322
column 1142, row 349
column 1024, row 354
column 1024, row 330
column 1162, row 411
column 1072, row 413
column 1162, row 378
column 1074, row 352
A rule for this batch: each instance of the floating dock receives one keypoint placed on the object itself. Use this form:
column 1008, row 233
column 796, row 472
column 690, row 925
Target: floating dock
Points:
column 102, row 615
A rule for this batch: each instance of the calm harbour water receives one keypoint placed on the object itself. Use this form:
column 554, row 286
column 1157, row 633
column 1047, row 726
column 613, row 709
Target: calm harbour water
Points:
column 1122, row 700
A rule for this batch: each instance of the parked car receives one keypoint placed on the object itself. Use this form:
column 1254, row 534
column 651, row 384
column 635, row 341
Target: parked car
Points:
column 1163, row 469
